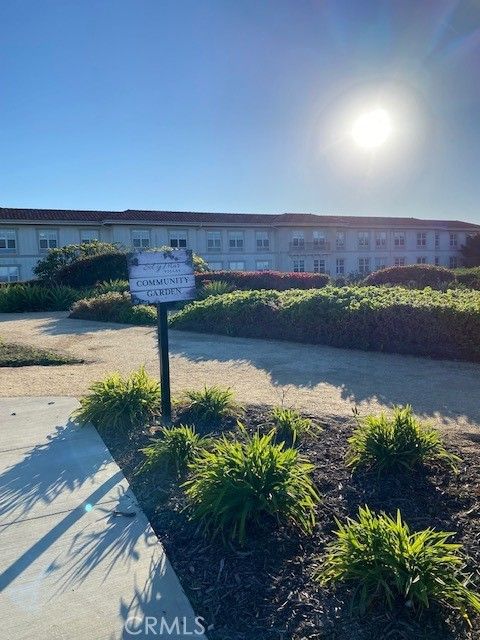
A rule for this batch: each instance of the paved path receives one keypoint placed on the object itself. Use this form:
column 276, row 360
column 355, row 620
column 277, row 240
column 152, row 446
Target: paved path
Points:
column 319, row 379
column 71, row 569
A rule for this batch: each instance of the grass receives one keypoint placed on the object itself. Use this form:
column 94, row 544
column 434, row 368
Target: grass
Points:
column 19, row 355
column 210, row 405
column 289, row 424
column 174, row 450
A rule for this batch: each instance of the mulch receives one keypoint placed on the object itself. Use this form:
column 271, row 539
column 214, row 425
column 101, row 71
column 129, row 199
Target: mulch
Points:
column 266, row 590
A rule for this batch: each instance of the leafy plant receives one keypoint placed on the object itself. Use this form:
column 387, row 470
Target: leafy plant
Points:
column 176, row 447
column 215, row 288
column 397, row 442
column 386, row 562
column 113, row 307
column 413, row 275
column 278, row 280
column 48, row 268
column 289, row 424
column 22, row 297
column 111, row 286
column 236, row 484
column 210, row 405
column 118, row 403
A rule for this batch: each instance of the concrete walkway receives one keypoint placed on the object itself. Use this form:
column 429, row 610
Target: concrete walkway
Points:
column 73, row 569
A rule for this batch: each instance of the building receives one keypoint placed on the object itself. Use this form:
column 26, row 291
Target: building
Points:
column 338, row 245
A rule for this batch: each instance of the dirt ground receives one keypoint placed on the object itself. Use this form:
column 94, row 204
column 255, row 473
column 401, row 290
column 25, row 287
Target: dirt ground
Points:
column 322, row 380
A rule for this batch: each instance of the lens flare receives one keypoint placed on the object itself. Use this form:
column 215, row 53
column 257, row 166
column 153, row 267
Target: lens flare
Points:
column 372, row 129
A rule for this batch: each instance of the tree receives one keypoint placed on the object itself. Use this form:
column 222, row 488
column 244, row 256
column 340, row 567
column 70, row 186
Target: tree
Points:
column 47, row 268
column 471, row 251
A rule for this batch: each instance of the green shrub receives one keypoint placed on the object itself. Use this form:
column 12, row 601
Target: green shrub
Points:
column 394, row 443
column 48, row 268
column 469, row 278
column 19, row 297
column 236, row 484
column 175, row 449
column 413, row 275
column 424, row 322
column 216, row 288
column 121, row 404
column 113, row 307
column 210, row 405
column 276, row 280
column 289, row 424
column 111, row 286
column 385, row 562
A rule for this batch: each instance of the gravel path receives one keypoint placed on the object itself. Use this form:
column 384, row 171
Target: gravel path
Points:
column 318, row 379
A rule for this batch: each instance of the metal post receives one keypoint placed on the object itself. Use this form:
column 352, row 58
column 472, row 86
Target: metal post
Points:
column 162, row 330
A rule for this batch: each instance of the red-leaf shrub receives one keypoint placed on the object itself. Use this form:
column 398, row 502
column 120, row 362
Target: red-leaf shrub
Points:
column 418, row 276
column 276, row 280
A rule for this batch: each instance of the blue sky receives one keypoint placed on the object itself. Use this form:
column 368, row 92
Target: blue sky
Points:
column 240, row 105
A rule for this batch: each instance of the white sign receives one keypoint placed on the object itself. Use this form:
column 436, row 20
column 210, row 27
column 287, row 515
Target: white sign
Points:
column 161, row 276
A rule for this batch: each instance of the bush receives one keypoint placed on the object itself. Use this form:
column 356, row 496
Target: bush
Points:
column 19, row 297
column 469, row 278
column 209, row 406
column 113, row 307
column 176, row 448
column 423, row 322
column 216, row 288
column 397, row 443
column 111, row 286
column 121, row 404
column 289, row 424
column 416, row 275
column 47, row 268
column 237, row 484
column 277, row 280
column 385, row 562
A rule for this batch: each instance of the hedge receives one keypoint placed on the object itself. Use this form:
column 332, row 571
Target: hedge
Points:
column 414, row 275
column 469, row 277
column 277, row 280
column 113, row 307
column 423, row 322
column 29, row 297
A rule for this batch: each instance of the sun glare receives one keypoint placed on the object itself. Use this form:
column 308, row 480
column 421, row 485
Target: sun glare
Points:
column 372, row 129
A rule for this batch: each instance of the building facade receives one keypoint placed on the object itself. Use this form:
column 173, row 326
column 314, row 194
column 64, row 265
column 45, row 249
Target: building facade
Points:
column 337, row 245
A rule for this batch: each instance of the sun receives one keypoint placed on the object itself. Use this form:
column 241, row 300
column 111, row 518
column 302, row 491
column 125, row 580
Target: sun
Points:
column 372, row 129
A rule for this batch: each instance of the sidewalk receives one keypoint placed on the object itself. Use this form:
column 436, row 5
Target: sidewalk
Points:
column 72, row 566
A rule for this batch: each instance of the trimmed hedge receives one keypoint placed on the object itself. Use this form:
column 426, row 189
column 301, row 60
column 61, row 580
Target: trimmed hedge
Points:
column 277, row 280
column 16, row 298
column 414, row 275
column 113, row 307
column 423, row 322
column 469, row 277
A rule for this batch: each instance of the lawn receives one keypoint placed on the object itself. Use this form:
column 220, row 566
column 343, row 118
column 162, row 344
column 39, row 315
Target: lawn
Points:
column 19, row 355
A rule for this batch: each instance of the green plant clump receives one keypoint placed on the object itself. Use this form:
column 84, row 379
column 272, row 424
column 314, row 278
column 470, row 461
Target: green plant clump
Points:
column 394, row 443
column 385, row 562
column 210, row 405
column 237, row 484
column 175, row 449
column 289, row 424
column 16, row 298
column 121, row 404
column 215, row 288
column 113, row 307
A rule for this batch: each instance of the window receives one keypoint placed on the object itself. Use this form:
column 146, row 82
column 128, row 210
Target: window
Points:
column 436, row 261
column 9, row 274
column 262, row 265
column 437, row 239
column 453, row 262
column 298, row 239
column 215, row 266
column 399, row 238
column 364, row 266
column 340, row 239
column 88, row 235
column 235, row 240
column 214, row 241
column 140, row 238
column 239, row 265
column 421, row 239
column 319, row 239
column 421, row 260
column 340, row 266
column 380, row 239
column 380, row 263
column 178, row 239
column 319, row 266
column 47, row 239
column 299, row 266
column 453, row 240
column 399, row 262
column 8, row 241
column 363, row 239
column 263, row 240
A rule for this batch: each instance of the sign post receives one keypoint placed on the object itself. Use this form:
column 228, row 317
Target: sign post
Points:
column 160, row 277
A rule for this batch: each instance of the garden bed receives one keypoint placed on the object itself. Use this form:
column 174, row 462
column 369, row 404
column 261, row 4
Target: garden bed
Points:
column 265, row 590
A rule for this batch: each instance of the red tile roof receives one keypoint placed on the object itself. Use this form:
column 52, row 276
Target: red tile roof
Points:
column 198, row 218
